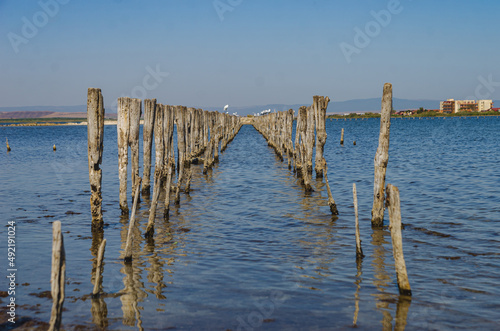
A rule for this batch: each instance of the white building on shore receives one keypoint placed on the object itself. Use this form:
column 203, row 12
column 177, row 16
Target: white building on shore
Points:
column 456, row 106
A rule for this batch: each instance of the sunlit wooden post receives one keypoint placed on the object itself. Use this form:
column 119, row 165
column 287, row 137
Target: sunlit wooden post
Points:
column 58, row 275
column 342, row 137
column 147, row 137
column 394, row 206
column 95, row 135
column 382, row 158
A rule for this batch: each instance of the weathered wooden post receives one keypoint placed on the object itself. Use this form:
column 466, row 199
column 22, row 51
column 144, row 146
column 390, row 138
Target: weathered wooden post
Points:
column 147, row 137
column 180, row 114
column 320, row 104
column 394, row 206
column 54, row 148
column 7, row 142
column 342, row 137
column 57, row 277
column 382, row 157
column 296, row 152
column 95, row 135
column 135, row 118
column 123, row 128
column 359, row 251
column 309, row 138
column 98, row 271
column 159, row 172
column 128, row 246
column 170, row 171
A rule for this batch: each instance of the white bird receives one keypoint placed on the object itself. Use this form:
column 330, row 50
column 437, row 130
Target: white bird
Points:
column 226, row 107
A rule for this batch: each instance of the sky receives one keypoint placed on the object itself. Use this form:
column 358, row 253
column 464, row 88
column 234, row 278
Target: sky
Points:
column 206, row 53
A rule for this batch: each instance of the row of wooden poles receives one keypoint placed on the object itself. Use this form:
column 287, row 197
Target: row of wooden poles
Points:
column 310, row 132
column 200, row 134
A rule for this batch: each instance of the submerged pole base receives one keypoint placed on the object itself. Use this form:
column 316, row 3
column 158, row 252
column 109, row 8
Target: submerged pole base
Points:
column 333, row 208
column 377, row 222
column 150, row 231
column 97, row 225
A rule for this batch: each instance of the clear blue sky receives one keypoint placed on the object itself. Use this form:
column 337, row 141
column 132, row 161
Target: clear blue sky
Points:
column 262, row 51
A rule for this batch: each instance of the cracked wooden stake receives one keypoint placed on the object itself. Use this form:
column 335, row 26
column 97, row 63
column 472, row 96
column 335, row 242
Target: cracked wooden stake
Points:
column 95, row 134
column 382, row 158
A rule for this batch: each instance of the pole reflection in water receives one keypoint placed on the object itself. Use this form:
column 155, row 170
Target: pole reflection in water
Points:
column 402, row 312
column 99, row 309
column 382, row 279
column 132, row 293
column 358, row 281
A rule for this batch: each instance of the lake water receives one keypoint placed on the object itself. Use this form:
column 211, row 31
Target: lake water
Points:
column 247, row 249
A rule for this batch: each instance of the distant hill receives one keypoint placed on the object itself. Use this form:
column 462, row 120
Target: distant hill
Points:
column 45, row 114
column 357, row 105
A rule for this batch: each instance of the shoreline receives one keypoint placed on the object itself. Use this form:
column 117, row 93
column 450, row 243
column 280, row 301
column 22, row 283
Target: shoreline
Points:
column 247, row 120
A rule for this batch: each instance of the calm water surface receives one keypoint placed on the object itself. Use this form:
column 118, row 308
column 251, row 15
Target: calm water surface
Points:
column 247, row 249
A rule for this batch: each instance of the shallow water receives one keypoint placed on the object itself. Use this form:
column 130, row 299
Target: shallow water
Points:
column 248, row 249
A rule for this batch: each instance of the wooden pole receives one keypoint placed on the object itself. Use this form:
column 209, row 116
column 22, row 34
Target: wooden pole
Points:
column 170, row 171
column 123, row 128
column 394, row 206
column 128, row 246
column 147, row 137
column 319, row 107
column 159, row 155
column 58, row 275
column 7, row 142
column 135, row 118
column 310, row 138
column 342, row 137
column 98, row 271
column 331, row 201
column 359, row 251
column 382, row 158
column 181, row 145
column 95, row 135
